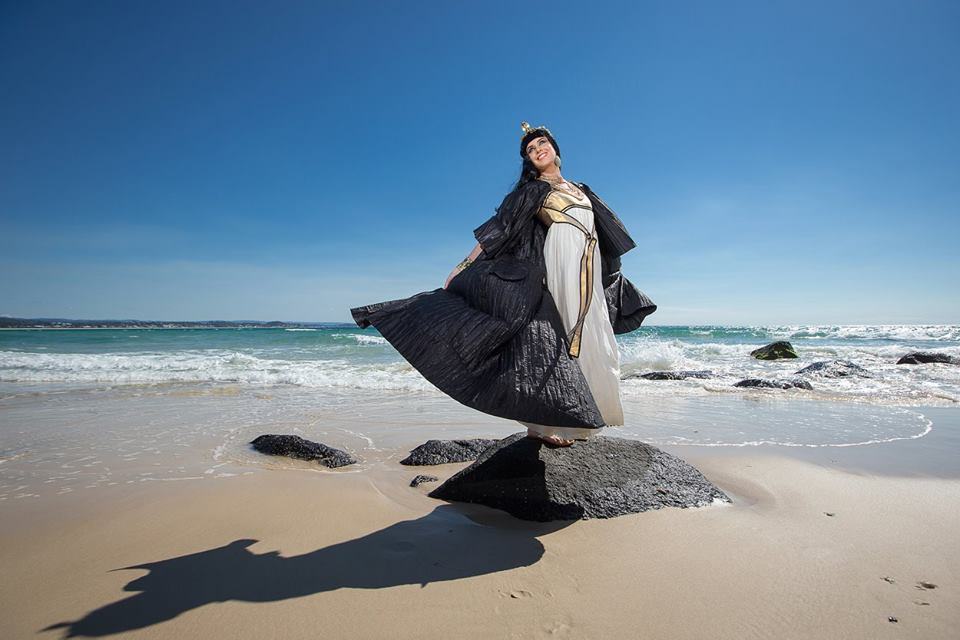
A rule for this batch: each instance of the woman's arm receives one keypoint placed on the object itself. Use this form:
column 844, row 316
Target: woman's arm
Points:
column 463, row 264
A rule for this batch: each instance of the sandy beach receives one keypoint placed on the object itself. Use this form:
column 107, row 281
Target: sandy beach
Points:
column 352, row 224
column 830, row 546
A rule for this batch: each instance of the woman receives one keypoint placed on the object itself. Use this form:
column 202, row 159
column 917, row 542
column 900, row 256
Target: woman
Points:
column 523, row 328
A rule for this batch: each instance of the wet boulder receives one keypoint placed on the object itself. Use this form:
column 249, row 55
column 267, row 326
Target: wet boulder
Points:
column 775, row 384
column 835, row 369
column 926, row 357
column 444, row 451
column 670, row 375
column 601, row 477
column 775, row 351
column 297, row 447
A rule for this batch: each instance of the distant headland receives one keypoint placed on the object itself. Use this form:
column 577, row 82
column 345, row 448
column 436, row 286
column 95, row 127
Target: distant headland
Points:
column 7, row 322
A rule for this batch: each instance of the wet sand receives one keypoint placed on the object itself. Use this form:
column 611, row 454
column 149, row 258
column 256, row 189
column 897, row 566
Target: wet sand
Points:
column 290, row 553
column 935, row 455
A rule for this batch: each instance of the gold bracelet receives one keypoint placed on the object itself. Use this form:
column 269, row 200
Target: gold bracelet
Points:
column 466, row 262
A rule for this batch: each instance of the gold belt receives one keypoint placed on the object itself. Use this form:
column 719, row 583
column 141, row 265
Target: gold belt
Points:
column 549, row 216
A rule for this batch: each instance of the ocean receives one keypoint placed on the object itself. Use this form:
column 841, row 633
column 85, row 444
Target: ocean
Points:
column 83, row 407
column 340, row 356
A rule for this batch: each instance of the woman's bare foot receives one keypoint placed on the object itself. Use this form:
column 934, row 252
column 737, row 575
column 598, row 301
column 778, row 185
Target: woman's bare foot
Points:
column 554, row 440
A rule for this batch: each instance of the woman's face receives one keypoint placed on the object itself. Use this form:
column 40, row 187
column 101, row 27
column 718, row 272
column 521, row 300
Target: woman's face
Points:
column 541, row 153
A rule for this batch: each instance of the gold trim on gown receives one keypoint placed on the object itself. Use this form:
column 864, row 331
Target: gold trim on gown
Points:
column 562, row 212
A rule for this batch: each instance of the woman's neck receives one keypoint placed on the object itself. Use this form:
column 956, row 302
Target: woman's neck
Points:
column 551, row 176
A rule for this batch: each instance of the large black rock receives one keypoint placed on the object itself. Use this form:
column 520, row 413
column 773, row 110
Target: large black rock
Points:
column 444, row 451
column 775, row 351
column 602, row 477
column 926, row 357
column 297, row 447
column 834, row 369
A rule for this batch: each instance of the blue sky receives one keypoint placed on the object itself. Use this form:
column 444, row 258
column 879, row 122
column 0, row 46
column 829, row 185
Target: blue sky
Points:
column 776, row 162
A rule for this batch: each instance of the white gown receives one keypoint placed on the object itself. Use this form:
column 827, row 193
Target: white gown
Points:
column 598, row 357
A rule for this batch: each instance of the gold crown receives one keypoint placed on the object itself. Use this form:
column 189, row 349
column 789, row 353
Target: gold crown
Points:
column 526, row 128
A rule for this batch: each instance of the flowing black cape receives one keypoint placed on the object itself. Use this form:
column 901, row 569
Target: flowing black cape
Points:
column 493, row 339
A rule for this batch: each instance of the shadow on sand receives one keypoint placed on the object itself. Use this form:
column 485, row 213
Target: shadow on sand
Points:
column 449, row 543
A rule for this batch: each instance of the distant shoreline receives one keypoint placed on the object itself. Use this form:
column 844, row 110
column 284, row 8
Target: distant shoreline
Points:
column 148, row 327
column 64, row 323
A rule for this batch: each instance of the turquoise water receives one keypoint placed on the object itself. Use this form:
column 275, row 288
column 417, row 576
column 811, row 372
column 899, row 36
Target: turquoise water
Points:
column 343, row 356
column 336, row 336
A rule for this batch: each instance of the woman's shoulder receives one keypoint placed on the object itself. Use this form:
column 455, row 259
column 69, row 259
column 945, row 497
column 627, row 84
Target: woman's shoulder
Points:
column 526, row 192
column 616, row 235
column 533, row 186
column 583, row 185
column 593, row 194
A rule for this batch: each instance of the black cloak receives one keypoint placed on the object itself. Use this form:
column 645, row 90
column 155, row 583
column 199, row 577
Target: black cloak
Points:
column 494, row 339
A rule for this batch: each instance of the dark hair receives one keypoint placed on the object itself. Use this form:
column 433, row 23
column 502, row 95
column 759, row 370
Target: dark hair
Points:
column 529, row 172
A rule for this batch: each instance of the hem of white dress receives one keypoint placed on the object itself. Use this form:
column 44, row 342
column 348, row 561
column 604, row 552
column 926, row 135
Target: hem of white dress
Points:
column 572, row 433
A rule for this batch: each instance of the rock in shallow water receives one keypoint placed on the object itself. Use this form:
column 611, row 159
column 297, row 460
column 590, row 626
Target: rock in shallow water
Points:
column 835, row 369
column 775, row 384
column 775, row 351
column 925, row 357
column 670, row 375
column 603, row 477
column 444, row 451
column 297, row 447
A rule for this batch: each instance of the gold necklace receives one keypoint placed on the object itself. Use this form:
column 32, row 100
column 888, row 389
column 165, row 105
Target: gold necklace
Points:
column 565, row 185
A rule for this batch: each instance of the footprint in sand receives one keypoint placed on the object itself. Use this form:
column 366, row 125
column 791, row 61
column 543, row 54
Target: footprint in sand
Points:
column 925, row 585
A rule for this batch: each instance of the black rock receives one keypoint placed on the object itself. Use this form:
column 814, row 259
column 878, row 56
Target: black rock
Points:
column 924, row 357
column 602, row 477
column 835, row 369
column 444, row 451
column 670, row 375
column 775, row 351
column 297, row 447
column 775, row 384
column 418, row 480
